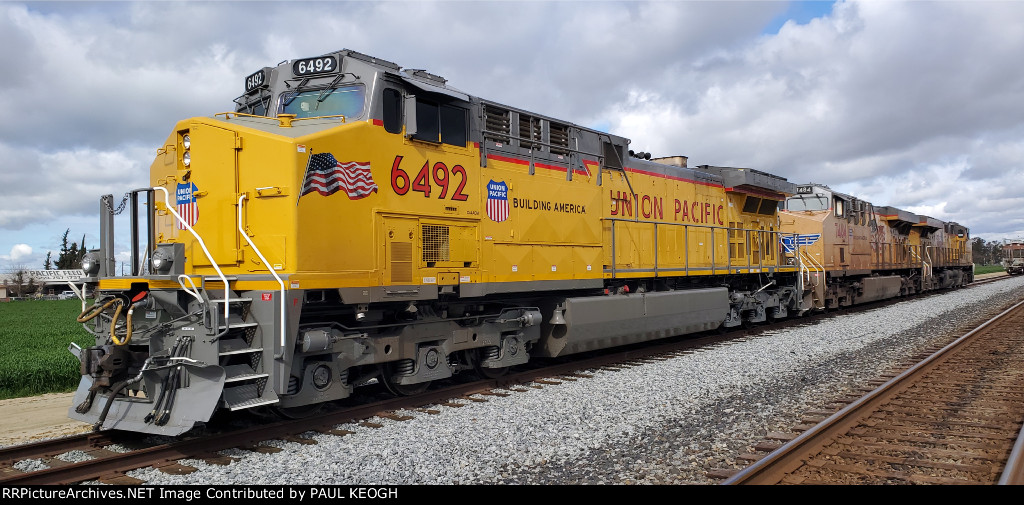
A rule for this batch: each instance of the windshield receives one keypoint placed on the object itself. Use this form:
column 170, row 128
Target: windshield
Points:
column 344, row 100
column 255, row 107
column 806, row 202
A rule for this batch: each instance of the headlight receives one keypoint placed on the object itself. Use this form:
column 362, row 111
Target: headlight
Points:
column 186, row 141
column 186, row 158
column 91, row 264
column 162, row 261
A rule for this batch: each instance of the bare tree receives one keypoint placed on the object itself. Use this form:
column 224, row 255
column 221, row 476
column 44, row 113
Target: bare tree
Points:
column 17, row 275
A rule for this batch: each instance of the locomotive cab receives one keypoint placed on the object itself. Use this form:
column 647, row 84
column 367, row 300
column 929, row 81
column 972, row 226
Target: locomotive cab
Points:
column 1013, row 257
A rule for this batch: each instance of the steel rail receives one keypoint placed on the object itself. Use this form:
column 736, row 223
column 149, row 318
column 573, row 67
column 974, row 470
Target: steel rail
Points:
column 1013, row 473
column 160, row 455
column 54, row 446
column 771, row 469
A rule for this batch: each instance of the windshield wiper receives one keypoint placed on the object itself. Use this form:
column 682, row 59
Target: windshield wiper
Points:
column 329, row 89
column 297, row 92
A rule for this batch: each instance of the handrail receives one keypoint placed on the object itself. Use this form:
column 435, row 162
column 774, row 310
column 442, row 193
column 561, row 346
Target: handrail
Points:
column 715, row 265
column 284, row 313
column 804, row 271
column 819, row 272
column 815, row 263
column 284, row 120
column 193, row 291
column 493, row 135
column 181, row 220
column 818, row 267
column 926, row 267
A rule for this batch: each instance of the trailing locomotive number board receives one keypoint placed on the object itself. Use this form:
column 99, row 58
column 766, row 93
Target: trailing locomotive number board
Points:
column 255, row 80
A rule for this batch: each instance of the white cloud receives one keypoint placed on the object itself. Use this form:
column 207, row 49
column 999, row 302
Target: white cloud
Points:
column 44, row 186
column 19, row 252
column 873, row 100
column 913, row 104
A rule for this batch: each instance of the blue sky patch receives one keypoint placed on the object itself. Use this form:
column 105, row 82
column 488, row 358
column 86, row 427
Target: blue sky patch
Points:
column 801, row 12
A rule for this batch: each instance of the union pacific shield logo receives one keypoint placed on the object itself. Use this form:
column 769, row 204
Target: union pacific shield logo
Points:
column 497, row 201
column 185, row 200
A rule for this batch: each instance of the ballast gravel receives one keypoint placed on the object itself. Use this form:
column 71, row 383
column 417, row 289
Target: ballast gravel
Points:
column 667, row 422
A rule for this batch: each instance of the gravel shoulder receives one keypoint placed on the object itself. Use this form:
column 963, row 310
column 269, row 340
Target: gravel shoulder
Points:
column 662, row 423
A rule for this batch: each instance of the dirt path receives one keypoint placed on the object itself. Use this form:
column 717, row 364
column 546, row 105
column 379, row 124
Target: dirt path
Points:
column 37, row 417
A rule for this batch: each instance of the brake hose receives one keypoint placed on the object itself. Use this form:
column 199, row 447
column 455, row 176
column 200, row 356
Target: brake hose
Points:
column 95, row 310
column 116, row 390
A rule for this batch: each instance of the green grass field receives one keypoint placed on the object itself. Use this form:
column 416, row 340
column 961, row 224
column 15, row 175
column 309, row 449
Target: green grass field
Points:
column 34, row 338
column 987, row 269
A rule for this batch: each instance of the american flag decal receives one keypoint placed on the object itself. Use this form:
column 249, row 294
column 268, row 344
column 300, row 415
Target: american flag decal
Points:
column 185, row 200
column 497, row 201
column 326, row 176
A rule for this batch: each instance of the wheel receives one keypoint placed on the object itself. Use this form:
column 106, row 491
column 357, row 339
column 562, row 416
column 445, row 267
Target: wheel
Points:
column 387, row 373
column 301, row 412
column 264, row 413
column 492, row 373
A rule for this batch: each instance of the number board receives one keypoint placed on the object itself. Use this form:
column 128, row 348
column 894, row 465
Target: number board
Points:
column 804, row 189
column 255, row 80
column 321, row 65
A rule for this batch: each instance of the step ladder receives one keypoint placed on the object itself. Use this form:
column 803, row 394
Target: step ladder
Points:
column 241, row 356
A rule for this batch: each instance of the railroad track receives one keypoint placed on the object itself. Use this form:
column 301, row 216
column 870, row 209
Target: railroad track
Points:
column 109, row 459
column 954, row 418
column 111, row 454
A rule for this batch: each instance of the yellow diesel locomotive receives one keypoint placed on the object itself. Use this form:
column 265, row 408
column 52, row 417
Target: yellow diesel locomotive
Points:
column 353, row 221
column 851, row 252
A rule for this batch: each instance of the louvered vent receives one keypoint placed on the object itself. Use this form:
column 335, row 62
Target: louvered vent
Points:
column 401, row 262
column 496, row 123
column 559, row 139
column 529, row 129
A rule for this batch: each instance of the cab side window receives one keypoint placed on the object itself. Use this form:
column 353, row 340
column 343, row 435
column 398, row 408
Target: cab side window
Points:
column 453, row 125
column 427, row 121
column 444, row 123
column 392, row 102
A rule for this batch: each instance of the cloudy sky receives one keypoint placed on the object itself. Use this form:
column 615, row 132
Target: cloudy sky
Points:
column 917, row 104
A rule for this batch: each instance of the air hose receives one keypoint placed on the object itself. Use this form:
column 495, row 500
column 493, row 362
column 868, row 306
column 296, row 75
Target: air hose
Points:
column 116, row 390
column 136, row 301
column 166, row 414
column 96, row 309
column 166, row 383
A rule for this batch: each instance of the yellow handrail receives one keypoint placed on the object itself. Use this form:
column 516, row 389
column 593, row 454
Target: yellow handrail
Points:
column 285, row 120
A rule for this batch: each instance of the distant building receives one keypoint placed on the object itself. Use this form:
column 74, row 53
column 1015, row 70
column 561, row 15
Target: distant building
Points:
column 47, row 282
